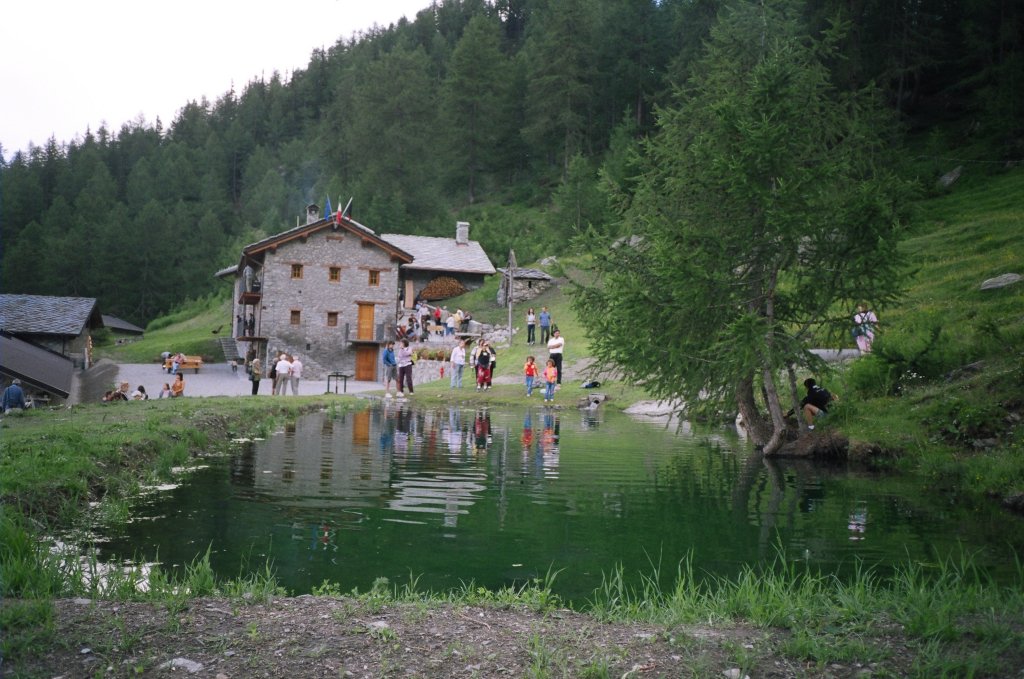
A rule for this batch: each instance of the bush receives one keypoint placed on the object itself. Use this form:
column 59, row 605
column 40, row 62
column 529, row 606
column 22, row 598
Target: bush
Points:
column 961, row 421
column 905, row 360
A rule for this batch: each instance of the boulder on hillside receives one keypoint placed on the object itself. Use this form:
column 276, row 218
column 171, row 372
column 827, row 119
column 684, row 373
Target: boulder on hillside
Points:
column 1014, row 502
column 948, row 179
column 1001, row 281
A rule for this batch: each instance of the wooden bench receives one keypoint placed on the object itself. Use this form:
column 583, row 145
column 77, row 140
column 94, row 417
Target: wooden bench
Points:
column 191, row 363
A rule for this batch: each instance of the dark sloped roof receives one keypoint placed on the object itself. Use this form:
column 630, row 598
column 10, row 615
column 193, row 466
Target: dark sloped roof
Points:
column 442, row 254
column 35, row 365
column 305, row 230
column 44, row 315
column 120, row 325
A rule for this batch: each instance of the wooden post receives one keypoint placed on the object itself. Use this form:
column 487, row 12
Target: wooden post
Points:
column 511, row 271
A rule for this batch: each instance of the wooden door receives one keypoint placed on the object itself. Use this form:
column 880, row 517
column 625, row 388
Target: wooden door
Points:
column 364, row 326
column 366, row 363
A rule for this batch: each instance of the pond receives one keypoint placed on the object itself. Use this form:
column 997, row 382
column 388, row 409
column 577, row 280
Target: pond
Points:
column 452, row 495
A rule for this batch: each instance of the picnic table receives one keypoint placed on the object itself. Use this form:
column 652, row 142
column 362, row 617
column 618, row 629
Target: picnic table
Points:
column 191, row 362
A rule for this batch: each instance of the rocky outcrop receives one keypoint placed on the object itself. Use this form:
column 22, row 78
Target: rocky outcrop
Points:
column 814, row 444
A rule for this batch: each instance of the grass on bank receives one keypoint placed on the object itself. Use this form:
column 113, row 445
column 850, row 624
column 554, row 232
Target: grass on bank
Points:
column 53, row 462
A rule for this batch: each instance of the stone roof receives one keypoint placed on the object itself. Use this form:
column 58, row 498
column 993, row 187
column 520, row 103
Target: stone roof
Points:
column 442, row 254
column 528, row 274
column 120, row 325
column 44, row 315
column 35, row 366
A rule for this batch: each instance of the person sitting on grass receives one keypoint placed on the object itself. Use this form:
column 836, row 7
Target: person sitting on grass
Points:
column 178, row 386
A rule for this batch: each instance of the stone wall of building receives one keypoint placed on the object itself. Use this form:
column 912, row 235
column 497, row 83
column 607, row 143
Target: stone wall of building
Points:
column 522, row 289
column 295, row 310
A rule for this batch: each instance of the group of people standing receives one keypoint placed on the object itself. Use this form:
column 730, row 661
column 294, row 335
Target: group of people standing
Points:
column 398, row 368
column 417, row 327
column 484, row 359
column 286, row 370
column 532, row 320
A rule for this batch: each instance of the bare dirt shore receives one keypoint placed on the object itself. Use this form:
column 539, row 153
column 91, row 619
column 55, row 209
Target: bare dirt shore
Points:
column 309, row 636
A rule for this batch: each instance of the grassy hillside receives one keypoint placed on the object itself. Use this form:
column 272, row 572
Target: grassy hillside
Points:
column 189, row 329
column 945, row 384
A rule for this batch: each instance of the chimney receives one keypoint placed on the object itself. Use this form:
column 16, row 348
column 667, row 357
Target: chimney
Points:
column 462, row 233
column 312, row 213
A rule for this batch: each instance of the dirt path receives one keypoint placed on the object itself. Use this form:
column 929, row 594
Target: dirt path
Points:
column 310, row 636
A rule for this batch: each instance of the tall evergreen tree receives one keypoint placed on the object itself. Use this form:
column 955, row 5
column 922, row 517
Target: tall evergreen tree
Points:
column 764, row 209
column 474, row 102
column 559, row 54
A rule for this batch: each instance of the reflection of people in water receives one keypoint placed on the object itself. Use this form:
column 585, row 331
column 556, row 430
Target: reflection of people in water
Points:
column 402, row 431
column 549, row 436
column 858, row 522
column 387, row 428
column 482, row 430
column 323, row 538
column 454, row 432
column 527, row 437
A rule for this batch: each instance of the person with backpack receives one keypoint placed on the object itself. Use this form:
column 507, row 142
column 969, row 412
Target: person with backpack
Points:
column 816, row 402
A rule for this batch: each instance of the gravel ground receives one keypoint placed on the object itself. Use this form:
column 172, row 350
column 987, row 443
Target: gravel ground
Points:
column 217, row 379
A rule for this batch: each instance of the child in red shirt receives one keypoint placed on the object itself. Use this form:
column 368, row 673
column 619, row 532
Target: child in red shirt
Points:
column 530, row 370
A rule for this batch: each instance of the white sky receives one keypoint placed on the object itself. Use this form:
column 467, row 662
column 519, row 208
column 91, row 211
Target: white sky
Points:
column 68, row 65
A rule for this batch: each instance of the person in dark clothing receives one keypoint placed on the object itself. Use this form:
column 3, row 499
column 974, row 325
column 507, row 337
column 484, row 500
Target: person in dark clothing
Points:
column 816, row 402
column 13, row 397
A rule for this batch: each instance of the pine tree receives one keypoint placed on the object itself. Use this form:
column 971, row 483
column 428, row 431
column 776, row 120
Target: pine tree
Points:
column 763, row 211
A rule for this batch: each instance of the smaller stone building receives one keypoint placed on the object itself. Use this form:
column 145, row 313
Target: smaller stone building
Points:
column 526, row 284
column 62, row 325
column 458, row 258
column 43, row 340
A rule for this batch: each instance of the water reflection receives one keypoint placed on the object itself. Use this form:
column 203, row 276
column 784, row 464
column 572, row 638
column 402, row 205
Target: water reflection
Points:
column 499, row 497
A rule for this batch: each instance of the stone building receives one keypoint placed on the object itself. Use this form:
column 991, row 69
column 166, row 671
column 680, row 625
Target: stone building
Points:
column 44, row 339
column 62, row 325
column 330, row 290
column 326, row 291
column 526, row 284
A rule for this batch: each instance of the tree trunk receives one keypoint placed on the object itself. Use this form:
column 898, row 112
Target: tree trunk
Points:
column 778, row 423
column 795, row 397
column 754, row 421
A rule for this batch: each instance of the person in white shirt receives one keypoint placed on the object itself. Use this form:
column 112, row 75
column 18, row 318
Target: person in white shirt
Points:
column 555, row 347
column 296, row 375
column 284, row 371
column 458, row 360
